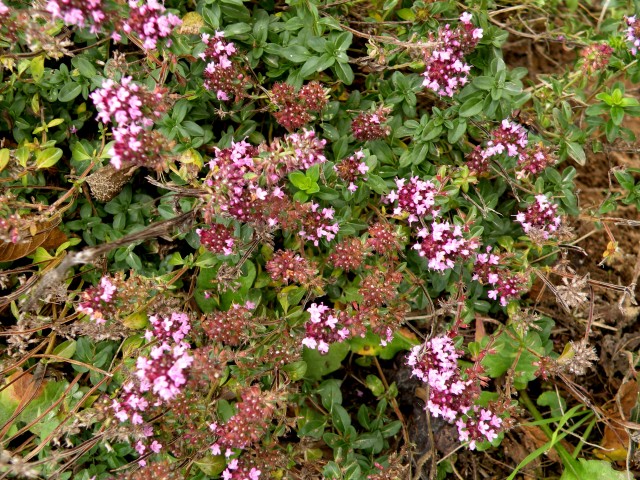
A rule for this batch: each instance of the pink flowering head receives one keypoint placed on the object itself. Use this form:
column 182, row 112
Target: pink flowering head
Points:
column 352, row 168
column 127, row 103
column 371, row 125
column 317, row 223
column 223, row 74
column 163, row 374
column 415, row 198
column 325, row 326
column 509, row 138
column 443, row 244
column 149, row 22
column 503, row 283
column 540, row 220
column 217, row 239
column 446, row 71
column 170, row 329
column 534, row 160
column 81, row 13
column 96, row 301
column 633, row 33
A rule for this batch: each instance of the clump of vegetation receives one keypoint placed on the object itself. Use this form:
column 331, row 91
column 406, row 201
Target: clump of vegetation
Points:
column 307, row 239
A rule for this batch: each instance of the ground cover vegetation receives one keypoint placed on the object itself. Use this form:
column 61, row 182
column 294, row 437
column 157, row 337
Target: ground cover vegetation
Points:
column 314, row 239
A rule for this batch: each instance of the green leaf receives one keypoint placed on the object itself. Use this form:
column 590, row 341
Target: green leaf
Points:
column 577, row 153
column 406, row 14
column 48, row 157
column 66, row 350
column 5, row 154
column 84, row 66
column 79, row 153
column 317, row 64
column 294, row 53
column 484, row 82
column 236, row 29
column 69, row 91
column 37, row 68
column 330, row 393
column 344, row 72
column 594, row 470
column 617, row 115
column 472, row 107
column 375, row 385
column 312, row 428
column 300, row 180
column 211, row 465
column 340, row 417
column 459, row 128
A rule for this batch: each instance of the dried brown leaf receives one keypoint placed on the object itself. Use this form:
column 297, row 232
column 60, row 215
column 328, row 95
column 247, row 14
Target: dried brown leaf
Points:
column 44, row 234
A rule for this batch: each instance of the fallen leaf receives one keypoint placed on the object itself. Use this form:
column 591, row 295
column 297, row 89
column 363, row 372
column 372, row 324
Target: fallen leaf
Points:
column 45, row 234
column 615, row 440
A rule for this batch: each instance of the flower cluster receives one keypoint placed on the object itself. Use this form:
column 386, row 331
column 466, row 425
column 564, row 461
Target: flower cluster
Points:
column 383, row 238
column 509, row 138
column 10, row 228
column 134, row 109
column 347, row 254
column 446, row 70
column 371, row 125
column 222, row 75
column 232, row 190
column 352, row 168
column 127, row 103
column 217, row 238
column 633, row 33
column 4, row 10
column 417, row 198
column 287, row 266
column 229, row 327
column 236, row 170
column 595, row 57
column 78, row 12
column 170, row 328
column 251, row 420
column 296, row 151
column 378, row 288
column 324, row 327
column 96, row 301
column 161, row 377
column 534, row 160
column 296, row 109
column 444, row 244
column 540, row 220
column 135, row 145
column 450, row 395
column 316, row 224
column 505, row 285
column 147, row 20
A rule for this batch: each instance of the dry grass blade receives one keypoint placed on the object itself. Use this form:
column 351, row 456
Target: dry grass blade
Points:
column 54, row 277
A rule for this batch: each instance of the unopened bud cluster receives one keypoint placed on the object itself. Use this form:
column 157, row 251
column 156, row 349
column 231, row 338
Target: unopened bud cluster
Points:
column 217, row 238
column 595, row 57
column 296, row 109
column 371, row 125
